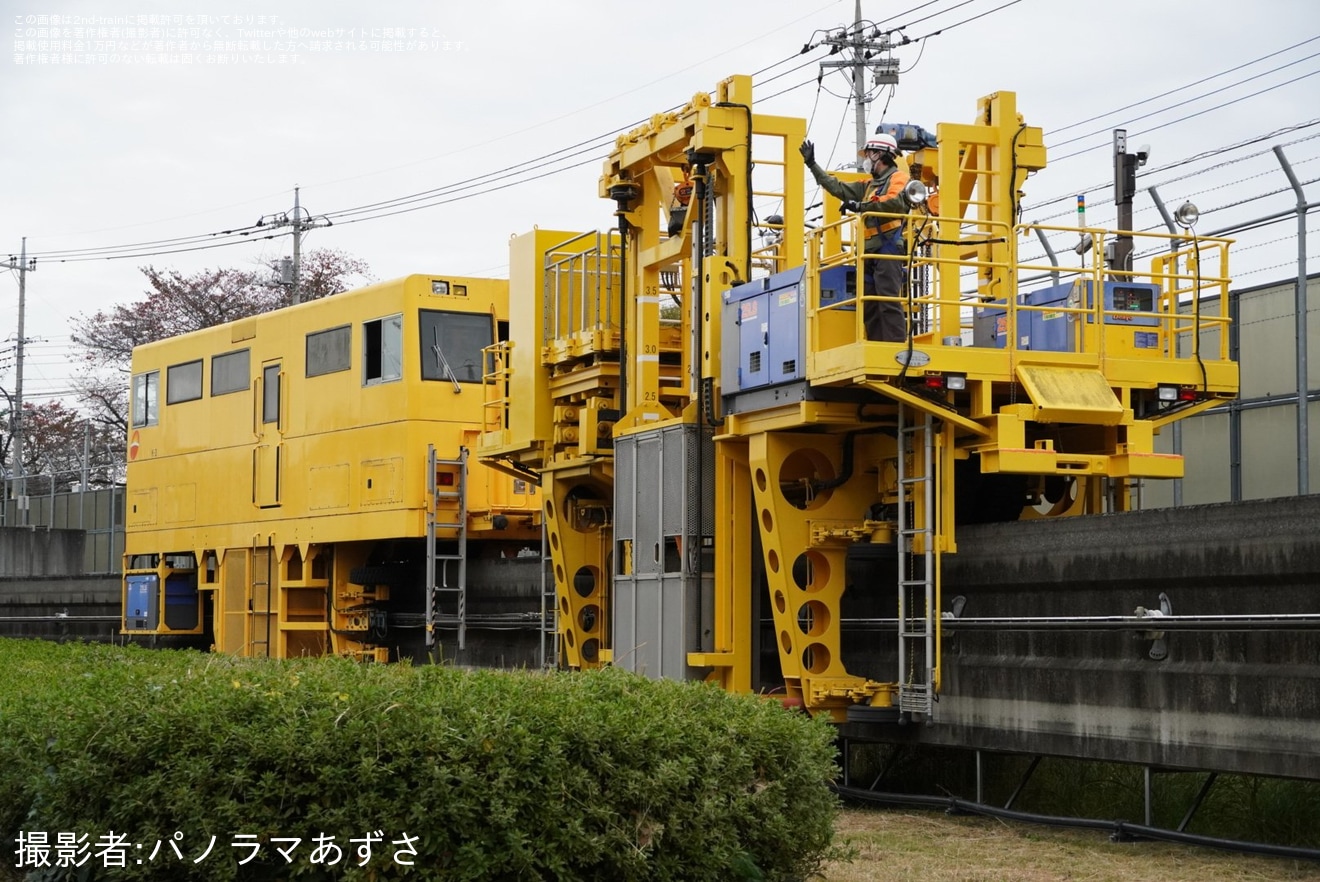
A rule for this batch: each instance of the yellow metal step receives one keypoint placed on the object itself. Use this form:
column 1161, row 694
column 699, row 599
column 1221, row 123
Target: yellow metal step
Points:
column 1070, row 394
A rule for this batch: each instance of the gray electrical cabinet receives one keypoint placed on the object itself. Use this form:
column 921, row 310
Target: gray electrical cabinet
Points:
column 663, row 550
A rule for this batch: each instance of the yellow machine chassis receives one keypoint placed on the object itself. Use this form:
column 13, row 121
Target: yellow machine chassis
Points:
column 1086, row 413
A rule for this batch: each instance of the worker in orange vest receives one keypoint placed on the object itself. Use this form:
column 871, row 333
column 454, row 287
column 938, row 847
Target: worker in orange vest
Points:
column 885, row 320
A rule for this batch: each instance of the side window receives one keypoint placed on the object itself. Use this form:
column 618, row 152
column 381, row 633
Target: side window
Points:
column 451, row 344
column 229, row 372
column 382, row 350
column 270, row 384
column 146, row 394
column 329, row 351
column 183, row 382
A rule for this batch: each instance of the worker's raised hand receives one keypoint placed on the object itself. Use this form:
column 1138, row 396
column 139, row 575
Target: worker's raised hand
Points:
column 808, row 151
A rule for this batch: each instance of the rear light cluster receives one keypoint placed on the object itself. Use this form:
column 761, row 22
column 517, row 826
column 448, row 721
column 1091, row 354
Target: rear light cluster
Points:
column 953, row 382
column 1176, row 393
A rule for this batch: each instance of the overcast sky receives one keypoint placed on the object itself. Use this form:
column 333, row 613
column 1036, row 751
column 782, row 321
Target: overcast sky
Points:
column 197, row 117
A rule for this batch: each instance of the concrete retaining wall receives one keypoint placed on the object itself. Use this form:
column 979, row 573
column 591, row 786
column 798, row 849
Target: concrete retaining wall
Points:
column 1245, row 701
column 60, row 607
column 26, row 551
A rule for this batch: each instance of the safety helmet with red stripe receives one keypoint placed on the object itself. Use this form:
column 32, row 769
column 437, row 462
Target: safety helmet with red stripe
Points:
column 882, row 142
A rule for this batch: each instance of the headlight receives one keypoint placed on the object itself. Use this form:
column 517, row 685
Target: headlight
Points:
column 916, row 193
column 1187, row 215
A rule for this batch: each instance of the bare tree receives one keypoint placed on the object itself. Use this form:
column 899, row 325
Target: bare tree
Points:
column 326, row 271
column 55, row 441
column 176, row 303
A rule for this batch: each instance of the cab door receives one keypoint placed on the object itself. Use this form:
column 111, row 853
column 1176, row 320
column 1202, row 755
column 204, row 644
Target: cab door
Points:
column 268, row 452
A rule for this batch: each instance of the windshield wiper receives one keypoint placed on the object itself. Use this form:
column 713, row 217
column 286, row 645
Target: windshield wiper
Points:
column 444, row 362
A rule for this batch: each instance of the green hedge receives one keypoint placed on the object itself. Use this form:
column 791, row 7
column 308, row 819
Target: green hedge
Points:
column 498, row 775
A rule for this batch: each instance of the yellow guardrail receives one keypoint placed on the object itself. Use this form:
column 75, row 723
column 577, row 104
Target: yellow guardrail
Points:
column 1186, row 278
column 833, row 246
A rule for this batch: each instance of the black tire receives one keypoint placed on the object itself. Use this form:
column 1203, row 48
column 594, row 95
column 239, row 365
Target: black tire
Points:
column 864, row 713
column 986, row 498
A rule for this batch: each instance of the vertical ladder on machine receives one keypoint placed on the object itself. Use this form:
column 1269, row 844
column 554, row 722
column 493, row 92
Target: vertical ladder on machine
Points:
column 441, row 592
column 916, row 591
column 549, row 612
column 257, row 583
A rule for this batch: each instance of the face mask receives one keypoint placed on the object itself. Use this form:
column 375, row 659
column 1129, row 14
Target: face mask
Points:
column 867, row 165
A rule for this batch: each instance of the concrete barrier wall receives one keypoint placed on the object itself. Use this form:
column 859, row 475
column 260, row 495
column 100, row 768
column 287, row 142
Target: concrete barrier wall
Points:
column 98, row 513
column 1235, row 700
column 60, row 608
column 28, row 551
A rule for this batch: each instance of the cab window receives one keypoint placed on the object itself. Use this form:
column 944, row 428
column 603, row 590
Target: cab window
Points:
column 451, row 344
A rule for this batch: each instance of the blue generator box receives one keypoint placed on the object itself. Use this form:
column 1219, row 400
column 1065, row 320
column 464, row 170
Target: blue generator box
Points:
column 763, row 358
column 763, row 332
column 1048, row 328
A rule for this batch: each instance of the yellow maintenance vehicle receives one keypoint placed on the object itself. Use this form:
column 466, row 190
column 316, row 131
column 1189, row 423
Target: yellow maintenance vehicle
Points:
column 682, row 421
column 299, row 481
column 738, row 484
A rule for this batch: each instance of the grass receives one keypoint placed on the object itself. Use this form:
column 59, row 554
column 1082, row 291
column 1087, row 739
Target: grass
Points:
column 911, row 846
column 1246, row 807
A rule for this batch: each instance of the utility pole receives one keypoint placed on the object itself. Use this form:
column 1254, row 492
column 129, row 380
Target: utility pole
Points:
column 24, row 266
column 299, row 221
column 866, row 51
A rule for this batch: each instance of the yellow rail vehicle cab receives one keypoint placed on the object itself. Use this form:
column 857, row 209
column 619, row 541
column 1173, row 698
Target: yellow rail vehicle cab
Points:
column 299, row 480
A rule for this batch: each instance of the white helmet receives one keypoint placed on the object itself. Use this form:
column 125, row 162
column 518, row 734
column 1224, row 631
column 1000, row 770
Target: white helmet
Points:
column 881, row 141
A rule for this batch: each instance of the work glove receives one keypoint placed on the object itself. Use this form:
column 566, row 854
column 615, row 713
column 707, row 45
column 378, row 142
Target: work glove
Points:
column 808, row 151
column 850, row 205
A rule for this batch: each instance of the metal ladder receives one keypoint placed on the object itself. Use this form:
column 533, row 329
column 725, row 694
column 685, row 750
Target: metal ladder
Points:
column 549, row 612
column 258, row 584
column 916, row 592
column 440, row 593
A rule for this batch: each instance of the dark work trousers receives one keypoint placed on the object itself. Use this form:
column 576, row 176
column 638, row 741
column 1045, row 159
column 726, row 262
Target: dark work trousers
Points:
column 886, row 320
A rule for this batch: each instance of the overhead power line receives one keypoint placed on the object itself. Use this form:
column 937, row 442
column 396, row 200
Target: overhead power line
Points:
column 1130, row 120
column 533, row 169
column 299, row 222
column 1180, row 119
column 437, row 196
column 1207, row 154
column 1214, row 76
column 109, row 250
